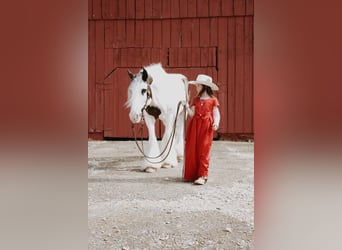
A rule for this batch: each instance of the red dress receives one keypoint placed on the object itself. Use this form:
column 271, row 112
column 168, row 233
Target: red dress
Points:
column 199, row 137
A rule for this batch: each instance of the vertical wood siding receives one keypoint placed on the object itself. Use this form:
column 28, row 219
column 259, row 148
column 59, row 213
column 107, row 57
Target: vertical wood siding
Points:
column 213, row 37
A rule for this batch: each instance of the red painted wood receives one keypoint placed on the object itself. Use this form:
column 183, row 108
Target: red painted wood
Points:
column 222, row 70
column 192, row 8
column 156, row 8
column 204, row 57
column 239, row 7
column 130, row 33
column 239, row 75
column 166, row 6
column 91, row 76
column 248, row 74
column 231, row 76
column 97, row 9
column 212, row 56
column 121, row 8
column 148, row 8
column 99, row 46
column 99, row 108
column 186, row 27
column 148, row 33
column 109, row 110
column 130, row 9
column 155, row 55
column 195, row 57
column 109, row 34
column 123, row 57
column 139, row 33
column 227, row 7
column 213, row 35
column 174, row 11
column 195, row 33
column 90, row 9
column 166, row 33
column 204, row 32
column 119, row 29
column 183, row 9
column 202, row 8
column 109, row 64
column 140, row 9
column 249, row 7
column 173, row 57
column 182, row 57
column 157, row 34
column 175, row 33
column 215, row 8
column 105, row 6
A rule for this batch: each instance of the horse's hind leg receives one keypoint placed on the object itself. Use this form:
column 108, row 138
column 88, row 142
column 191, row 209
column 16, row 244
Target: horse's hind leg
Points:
column 179, row 137
column 151, row 165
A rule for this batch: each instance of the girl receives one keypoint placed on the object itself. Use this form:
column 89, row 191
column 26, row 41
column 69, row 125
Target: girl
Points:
column 205, row 119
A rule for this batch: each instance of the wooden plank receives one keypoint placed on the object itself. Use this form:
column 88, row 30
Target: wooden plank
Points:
column 227, row 7
column 155, row 55
column 139, row 9
column 148, row 8
column 222, row 67
column 109, row 34
column 231, row 75
column 99, row 43
column 195, row 57
column 157, row 34
column 175, row 33
column 109, row 111
column 146, row 57
column 174, row 8
column 202, row 8
column 121, row 9
column 215, row 8
column 156, row 8
column 139, row 33
column 90, row 9
column 213, row 34
column 173, row 57
column 97, row 9
column 249, row 7
column 192, row 8
column 130, row 33
column 99, row 107
column 204, row 32
column 212, row 57
column 248, row 74
column 113, row 6
column 183, row 9
column 91, row 77
column 182, row 57
column 189, row 57
column 239, row 7
column 166, row 33
column 105, row 9
column 204, row 57
column 148, row 33
column 239, row 75
column 130, row 9
column 195, row 33
column 186, row 26
column 123, row 57
column 109, row 65
column 166, row 6
column 164, row 56
column 119, row 34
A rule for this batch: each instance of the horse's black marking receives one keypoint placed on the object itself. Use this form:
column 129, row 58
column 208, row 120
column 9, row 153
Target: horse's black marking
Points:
column 144, row 75
column 154, row 111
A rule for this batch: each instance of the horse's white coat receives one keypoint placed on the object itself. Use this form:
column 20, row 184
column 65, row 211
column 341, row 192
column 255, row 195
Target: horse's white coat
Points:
column 167, row 91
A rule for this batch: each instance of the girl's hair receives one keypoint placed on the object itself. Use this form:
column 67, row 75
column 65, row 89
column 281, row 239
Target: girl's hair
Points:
column 207, row 89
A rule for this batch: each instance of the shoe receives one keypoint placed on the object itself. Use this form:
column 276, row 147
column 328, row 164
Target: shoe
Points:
column 201, row 181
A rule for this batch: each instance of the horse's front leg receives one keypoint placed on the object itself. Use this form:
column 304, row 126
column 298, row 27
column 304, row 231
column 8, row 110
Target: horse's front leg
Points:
column 151, row 164
column 179, row 136
column 170, row 154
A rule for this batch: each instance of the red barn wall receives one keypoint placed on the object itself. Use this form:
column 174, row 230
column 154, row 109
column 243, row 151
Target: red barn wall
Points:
column 213, row 37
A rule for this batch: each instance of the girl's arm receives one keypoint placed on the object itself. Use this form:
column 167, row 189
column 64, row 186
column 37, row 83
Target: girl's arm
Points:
column 217, row 117
column 190, row 110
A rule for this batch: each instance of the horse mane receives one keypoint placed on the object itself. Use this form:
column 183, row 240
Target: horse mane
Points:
column 155, row 69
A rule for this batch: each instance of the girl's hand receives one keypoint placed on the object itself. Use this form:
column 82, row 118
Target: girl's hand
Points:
column 215, row 127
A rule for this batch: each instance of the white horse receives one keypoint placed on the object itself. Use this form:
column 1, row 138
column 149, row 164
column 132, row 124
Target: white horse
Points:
column 154, row 94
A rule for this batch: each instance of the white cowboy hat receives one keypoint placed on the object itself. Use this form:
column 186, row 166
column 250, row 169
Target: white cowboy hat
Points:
column 205, row 80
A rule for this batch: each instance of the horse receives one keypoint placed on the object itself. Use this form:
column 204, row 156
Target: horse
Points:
column 155, row 94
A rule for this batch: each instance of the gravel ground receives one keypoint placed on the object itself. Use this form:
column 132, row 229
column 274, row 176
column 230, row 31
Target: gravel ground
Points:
column 130, row 209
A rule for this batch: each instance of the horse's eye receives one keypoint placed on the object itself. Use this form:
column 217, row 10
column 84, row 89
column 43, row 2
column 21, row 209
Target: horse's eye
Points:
column 143, row 91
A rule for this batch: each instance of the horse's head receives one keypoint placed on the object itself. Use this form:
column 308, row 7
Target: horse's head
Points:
column 139, row 94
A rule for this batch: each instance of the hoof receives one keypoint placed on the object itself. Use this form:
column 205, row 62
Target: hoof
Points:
column 150, row 170
column 166, row 165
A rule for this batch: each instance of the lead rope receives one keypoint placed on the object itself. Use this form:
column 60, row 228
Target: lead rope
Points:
column 170, row 139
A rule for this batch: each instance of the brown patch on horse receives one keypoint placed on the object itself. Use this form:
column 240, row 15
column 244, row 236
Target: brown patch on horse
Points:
column 154, row 111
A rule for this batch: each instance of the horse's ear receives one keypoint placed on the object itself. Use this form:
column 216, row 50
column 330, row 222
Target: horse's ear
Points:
column 149, row 79
column 144, row 75
column 131, row 75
